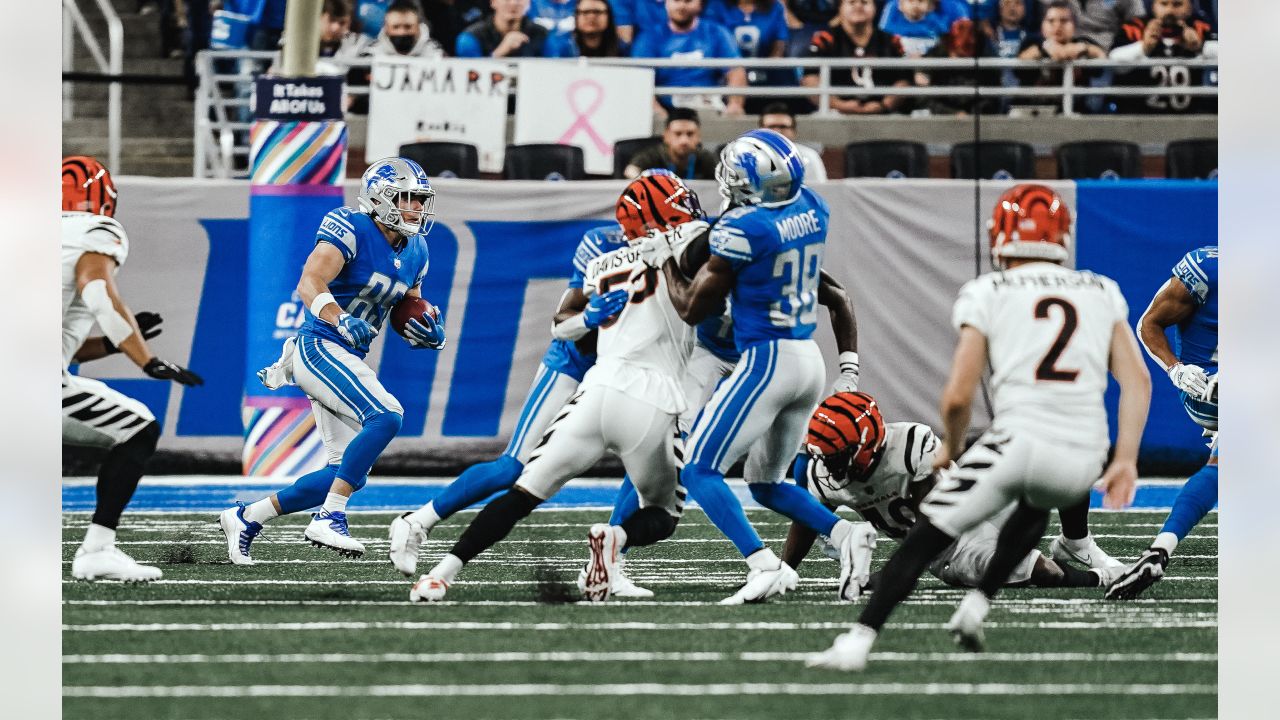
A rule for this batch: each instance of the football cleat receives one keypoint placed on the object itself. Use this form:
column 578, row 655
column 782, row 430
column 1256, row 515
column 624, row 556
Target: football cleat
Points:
column 1108, row 575
column 239, row 533
column 428, row 589
column 764, row 584
column 1084, row 551
column 623, row 587
column 965, row 624
column 1144, row 573
column 111, row 563
column 328, row 530
column 604, row 543
column 855, row 561
column 849, row 652
column 406, row 538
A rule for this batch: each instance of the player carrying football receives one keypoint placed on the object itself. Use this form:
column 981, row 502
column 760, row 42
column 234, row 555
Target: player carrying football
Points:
column 364, row 261
column 94, row 248
column 1049, row 334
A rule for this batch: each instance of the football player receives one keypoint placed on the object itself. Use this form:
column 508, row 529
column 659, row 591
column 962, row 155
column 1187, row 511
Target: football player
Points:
column 94, row 247
column 363, row 262
column 766, row 259
column 1050, row 334
column 627, row 404
column 1188, row 302
column 882, row 471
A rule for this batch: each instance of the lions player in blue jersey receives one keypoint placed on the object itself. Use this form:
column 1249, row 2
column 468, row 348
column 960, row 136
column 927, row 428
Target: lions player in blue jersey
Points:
column 1188, row 302
column 766, row 258
column 364, row 261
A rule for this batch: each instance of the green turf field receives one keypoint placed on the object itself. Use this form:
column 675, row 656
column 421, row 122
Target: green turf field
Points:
column 304, row 634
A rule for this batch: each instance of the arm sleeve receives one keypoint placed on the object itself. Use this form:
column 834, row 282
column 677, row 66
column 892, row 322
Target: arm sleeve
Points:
column 467, row 46
column 730, row 242
column 973, row 307
column 337, row 230
column 1192, row 276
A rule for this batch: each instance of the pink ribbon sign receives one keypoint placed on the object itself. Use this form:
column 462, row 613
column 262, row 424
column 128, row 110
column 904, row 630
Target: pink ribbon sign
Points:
column 582, row 118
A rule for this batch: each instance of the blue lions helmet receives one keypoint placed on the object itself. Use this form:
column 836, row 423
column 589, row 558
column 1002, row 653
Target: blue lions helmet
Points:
column 761, row 167
column 396, row 192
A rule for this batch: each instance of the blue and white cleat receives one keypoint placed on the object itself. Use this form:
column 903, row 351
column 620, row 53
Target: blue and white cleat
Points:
column 329, row 530
column 239, row 533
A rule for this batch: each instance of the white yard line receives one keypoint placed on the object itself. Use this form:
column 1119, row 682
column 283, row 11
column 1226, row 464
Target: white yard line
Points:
column 733, row 579
column 1160, row 623
column 446, row 543
column 921, row 597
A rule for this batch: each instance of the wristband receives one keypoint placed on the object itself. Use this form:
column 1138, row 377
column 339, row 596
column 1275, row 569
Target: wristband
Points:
column 849, row 361
column 321, row 300
column 570, row 329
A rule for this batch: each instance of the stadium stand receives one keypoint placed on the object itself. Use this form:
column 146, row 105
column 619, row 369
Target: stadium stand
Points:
column 1192, row 159
column 992, row 159
column 445, row 159
column 1099, row 159
column 544, row 161
column 886, row 158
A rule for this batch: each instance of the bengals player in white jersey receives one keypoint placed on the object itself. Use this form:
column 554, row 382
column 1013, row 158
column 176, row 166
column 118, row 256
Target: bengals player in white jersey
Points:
column 94, row 247
column 627, row 404
column 1050, row 334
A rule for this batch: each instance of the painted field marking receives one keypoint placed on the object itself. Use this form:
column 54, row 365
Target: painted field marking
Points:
column 945, row 598
column 578, row 627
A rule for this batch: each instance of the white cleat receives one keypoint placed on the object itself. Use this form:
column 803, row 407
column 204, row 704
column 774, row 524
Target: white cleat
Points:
column 849, row 652
column 406, row 539
column 239, row 534
column 623, row 587
column 328, row 530
column 1084, row 551
column 428, row 589
column 764, row 584
column 965, row 624
column 855, row 561
column 111, row 563
column 604, row 543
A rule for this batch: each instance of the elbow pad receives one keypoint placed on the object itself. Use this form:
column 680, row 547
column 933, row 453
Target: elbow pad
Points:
column 114, row 326
column 571, row 329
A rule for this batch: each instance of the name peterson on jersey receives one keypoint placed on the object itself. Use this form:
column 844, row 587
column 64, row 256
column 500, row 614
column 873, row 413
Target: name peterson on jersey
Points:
column 82, row 233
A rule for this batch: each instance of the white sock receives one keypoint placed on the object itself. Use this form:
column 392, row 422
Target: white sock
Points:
column 1166, row 541
column 335, row 502
column 763, row 560
column 840, row 531
column 261, row 511
column 447, row 569
column 98, row 537
column 425, row 516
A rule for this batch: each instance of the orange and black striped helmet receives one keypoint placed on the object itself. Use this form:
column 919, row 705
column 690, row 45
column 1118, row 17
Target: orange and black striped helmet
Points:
column 657, row 200
column 1031, row 222
column 847, row 432
column 87, row 186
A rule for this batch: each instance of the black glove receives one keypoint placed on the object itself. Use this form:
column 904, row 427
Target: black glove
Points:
column 164, row 370
column 148, row 323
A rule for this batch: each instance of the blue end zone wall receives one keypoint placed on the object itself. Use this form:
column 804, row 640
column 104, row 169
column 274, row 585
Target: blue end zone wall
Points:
column 1134, row 232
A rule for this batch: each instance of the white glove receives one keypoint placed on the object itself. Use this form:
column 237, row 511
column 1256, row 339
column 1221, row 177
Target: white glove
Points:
column 1211, row 389
column 682, row 235
column 655, row 249
column 1190, row 379
column 848, row 380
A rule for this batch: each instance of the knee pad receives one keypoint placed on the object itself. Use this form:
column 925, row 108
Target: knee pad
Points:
column 387, row 422
column 142, row 445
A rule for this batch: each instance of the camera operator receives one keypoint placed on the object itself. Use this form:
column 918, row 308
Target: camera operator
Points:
column 1172, row 31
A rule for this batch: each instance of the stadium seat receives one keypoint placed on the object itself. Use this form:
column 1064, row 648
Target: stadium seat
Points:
column 1103, row 159
column 995, row 159
column 1191, row 160
column 444, row 159
column 886, row 158
column 544, row 161
column 624, row 150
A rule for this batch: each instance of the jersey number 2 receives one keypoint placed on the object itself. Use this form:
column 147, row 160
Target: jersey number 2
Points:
column 1047, row 369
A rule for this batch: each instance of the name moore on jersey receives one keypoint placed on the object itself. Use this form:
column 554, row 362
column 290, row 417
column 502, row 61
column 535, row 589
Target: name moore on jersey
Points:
column 82, row 233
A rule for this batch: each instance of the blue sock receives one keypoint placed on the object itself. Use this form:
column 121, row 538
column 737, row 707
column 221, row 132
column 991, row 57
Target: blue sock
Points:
column 625, row 503
column 477, row 483
column 795, row 503
column 367, row 445
column 307, row 491
column 1194, row 501
column 719, row 503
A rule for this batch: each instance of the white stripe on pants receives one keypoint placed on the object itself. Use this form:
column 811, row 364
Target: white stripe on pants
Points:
column 344, row 391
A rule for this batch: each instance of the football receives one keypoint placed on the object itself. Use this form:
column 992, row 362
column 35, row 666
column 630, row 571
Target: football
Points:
column 411, row 307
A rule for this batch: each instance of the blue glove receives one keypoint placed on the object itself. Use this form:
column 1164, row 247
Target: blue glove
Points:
column 603, row 307
column 429, row 334
column 356, row 332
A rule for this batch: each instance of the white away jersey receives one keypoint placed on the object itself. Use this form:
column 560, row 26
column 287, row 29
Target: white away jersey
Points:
column 1048, row 331
column 642, row 352
column 882, row 499
column 84, row 232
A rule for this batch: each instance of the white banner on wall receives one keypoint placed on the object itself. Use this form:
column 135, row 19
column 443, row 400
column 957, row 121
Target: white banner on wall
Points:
column 589, row 107
column 454, row 100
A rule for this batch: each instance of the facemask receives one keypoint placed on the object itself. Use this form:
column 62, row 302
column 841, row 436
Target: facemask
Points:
column 403, row 43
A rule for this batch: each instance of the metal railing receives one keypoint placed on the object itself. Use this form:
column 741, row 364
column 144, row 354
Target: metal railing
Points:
column 222, row 110
column 112, row 63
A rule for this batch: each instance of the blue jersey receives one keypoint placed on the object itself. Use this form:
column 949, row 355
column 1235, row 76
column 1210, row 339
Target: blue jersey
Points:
column 1196, row 341
column 755, row 32
column 716, row 334
column 564, row 356
column 777, row 255
column 554, row 15
column 375, row 275
column 643, row 15
column 918, row 37
column 706, row 39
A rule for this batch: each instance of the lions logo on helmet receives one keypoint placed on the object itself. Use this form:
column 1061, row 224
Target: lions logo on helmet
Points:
column 389, row 190
column 761, row 167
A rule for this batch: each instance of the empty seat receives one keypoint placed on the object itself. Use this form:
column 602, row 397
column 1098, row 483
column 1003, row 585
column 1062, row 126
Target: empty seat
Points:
column 1102, row 159
column 444, row 159
column 993, row 160
column 624, row 150
column 1191, row 160
column 543, row 161
column 886, row 158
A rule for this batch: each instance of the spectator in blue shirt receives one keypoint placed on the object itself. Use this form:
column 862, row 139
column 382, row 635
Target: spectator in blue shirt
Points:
column 921, row 23
column 370, row 15
column 638, row 16
column 594, row 34
column 760, row 29
column 509, row 33
column 554, row 15
column 687, row 36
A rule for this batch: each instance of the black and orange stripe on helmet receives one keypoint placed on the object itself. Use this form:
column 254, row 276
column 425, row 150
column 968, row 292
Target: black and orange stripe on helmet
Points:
column 847, row 430
column 87, row 186
column 1030, row 221
column 656, row 201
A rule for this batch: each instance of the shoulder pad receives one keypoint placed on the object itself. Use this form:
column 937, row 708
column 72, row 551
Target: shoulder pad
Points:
column 337, row 228
column 99, row 234
column 1193, row 274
